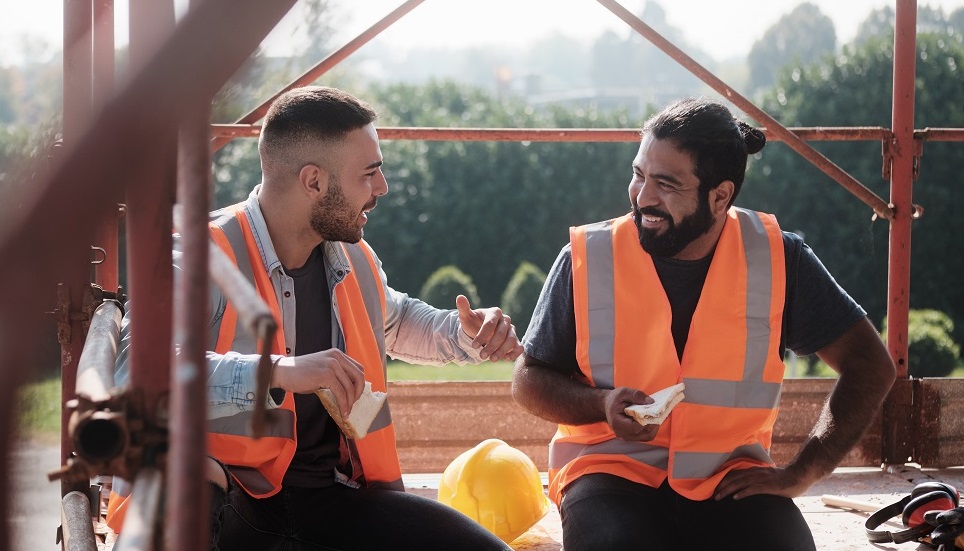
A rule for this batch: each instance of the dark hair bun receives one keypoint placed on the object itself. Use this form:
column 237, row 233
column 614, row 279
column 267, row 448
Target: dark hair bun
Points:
column 755, row 140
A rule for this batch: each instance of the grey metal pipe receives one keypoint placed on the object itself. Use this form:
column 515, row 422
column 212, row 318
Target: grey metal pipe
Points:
column 142, row 515
column 75, row 519
column 95, row 370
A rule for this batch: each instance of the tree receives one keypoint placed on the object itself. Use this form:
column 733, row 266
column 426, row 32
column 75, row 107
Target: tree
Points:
column 445, row 284
column 487, row 206
column 798, row 38
column 931, row 350
column 521, row 295
column 839, row 228
column 880, row 23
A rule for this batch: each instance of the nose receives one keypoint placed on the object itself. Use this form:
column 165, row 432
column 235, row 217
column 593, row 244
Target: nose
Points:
column 379, row 184
column 641, row 194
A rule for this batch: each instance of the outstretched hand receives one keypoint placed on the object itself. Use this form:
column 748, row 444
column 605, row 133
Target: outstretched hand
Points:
column 490, row 329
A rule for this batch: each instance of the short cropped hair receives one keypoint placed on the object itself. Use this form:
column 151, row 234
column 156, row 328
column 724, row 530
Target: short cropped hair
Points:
column 311, row 114
column 718, row 142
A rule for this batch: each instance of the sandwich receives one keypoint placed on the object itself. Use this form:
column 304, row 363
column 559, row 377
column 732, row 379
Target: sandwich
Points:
column 663, row 402
column 362, row 414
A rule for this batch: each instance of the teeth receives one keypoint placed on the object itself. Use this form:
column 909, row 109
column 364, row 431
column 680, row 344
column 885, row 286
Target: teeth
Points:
column 652, row 218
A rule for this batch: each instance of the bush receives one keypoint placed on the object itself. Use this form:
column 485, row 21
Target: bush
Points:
column 445, row 284
column 932, row 351
column 521, row 295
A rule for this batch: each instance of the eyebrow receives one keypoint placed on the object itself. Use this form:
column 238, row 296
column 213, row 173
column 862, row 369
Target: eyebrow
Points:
column 376, row 164
column 659, row 176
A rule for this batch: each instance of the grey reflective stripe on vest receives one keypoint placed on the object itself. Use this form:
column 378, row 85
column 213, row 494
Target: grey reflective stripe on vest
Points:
column 244, row 341
column 397, row 485
column 369, row 283
column 251, row 479
column 281, row 425
column 561, row 453
column 706, row 464
column 600, row 270
column 759, row 281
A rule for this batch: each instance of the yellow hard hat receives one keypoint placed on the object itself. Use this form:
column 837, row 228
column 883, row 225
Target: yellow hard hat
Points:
column 496, row 485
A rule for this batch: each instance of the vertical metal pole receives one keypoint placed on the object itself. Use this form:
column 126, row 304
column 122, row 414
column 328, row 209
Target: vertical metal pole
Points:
column 187, row 523
column 77, row 104
column 105, row 237
column 149, row 227
column 901, row 182
column 898, row 433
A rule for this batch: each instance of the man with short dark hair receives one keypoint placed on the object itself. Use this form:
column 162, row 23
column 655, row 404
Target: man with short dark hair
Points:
column 688, row 289
column 298, row 240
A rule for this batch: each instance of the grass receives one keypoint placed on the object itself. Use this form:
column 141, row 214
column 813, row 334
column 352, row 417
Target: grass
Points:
column 39, row 406
column 487, row 371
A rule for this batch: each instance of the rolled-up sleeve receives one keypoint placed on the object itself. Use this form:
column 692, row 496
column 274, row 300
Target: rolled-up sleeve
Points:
column 417, row 332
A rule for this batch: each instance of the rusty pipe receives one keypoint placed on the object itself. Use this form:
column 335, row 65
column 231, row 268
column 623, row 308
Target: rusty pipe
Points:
column 880, row 207
column 816, row 133
column 322, row 67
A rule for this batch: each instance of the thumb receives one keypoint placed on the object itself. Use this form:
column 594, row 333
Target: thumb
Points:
column 462, row 303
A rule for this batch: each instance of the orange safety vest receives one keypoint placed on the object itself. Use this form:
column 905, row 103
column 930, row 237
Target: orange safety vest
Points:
column 731, row 366
column 259, row 465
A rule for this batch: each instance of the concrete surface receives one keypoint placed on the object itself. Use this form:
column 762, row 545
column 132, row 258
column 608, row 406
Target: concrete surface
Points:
column 35, row 503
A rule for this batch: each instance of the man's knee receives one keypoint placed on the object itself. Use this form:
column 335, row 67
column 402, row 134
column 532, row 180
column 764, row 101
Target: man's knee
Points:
column 215, row 473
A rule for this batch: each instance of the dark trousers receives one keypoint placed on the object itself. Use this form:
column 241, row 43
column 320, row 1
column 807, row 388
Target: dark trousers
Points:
column 605, row 512
column 341, row 518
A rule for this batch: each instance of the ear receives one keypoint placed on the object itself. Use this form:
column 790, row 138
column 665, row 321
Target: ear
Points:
column 313, row 180
column 720, row 197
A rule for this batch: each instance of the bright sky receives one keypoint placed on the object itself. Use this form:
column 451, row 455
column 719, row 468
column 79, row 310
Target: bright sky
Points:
column 721, row 29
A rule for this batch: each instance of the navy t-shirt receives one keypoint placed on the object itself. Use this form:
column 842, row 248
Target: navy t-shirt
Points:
column 817, row 310
column 318, row 437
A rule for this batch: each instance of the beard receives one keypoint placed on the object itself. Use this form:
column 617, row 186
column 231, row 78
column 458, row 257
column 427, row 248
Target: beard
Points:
column 334, row 219
column 676, row 237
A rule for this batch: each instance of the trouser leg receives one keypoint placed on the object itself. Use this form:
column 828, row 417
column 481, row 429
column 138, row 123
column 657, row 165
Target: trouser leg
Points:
column 601, row 511
column 605, row 512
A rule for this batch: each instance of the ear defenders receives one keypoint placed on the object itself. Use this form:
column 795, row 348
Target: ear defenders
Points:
column 927, row 496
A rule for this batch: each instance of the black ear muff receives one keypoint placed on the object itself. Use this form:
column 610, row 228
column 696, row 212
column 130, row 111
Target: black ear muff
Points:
column 927, row 496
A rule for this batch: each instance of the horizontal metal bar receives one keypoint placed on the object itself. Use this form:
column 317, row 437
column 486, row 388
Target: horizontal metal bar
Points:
column 859, row 133
column 940, row 134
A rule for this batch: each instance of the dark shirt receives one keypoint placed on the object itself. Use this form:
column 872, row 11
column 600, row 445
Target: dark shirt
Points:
column 318, row 437
column 816, row 312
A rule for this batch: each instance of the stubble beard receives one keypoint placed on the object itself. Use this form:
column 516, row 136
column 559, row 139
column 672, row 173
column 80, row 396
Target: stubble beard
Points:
column 333, row 218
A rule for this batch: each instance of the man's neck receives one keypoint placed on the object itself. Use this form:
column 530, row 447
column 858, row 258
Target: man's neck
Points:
column 292, row 238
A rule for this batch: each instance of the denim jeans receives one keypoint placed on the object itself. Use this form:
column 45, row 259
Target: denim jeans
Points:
column 606, row 512
column 341, row 518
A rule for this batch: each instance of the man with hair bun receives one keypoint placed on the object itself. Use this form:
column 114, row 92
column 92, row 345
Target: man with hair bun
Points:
column 687, row 289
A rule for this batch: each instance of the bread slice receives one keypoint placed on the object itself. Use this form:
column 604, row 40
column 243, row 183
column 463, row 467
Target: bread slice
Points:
column 663, row 403
column 362, row 414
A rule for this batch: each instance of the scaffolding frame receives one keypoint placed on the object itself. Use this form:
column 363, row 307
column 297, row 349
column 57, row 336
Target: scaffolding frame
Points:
column 131, row 148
